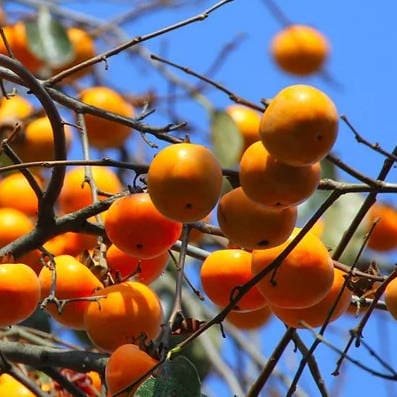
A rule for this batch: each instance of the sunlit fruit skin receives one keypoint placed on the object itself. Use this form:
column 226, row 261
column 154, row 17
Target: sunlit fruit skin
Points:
column 316, row 315
column 74, row 280
column 15, row 107
column 300, row 50
column 13, row 224
column 144, row 270
column 184, row 181
column 16, row 192
column 70, row 243
column 250, row 225
column 134, row 225
column 303, row 278
column 104, row 134
column 37, row 141
column 129, row 310
column 9, row 386
column 76, row 194
column 391, row 297
column 270, row 182
column 225, row 270
column 250, row 320
column 384, row 235
column 125, row 366
column 300, row 125
column 247, row 121
column 19, row 293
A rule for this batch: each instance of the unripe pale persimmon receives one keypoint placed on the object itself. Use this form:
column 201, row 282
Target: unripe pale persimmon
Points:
column 225, row 270
column 247, row 121
column 19, row 293
column 126, row 365
column 74, row 280
column 384, row 235
column 128, row 311
column 300, row 50
column 104, row 134
column 134, row 225
column 300, row 125
column 184, row 181
column 270, row 182
column 252, row 225
column 316, row 315
column 304, row 277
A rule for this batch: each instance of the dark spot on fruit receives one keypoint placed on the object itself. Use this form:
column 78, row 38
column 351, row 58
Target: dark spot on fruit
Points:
column 263, row 243
column 278, row 204
column 139, row 246
column 319, row 137
column 188, row 206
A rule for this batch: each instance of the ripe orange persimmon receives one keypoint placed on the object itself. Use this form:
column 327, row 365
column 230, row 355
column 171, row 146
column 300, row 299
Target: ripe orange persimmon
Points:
column 184, row 181
column 21, row 50
column 16, row 192
column 76, row 194
column 13, row 224
column 225, row 270
column 384, row 234
column 37, row 141
column 270, row 182
column 143, row 270
column 74, row 280
column 104, row 134
column 134, row 225
column 128, row 311
column 19, row 293
column 70, row 243
column 391, row 297
column 300, row 50
column 31, row 259
column 252, row 225
column 247, row 121
column 303, row 278
column 9, row 386
column 315, row 315
column 300, row 125
column 126, row 365
column 15, row 107
column 249, row 320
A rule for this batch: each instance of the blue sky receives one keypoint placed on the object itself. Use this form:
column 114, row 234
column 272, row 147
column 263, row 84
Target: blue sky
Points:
column 363, row 61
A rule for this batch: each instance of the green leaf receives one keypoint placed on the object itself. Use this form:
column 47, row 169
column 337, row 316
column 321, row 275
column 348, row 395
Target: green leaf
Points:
column 226, row 138
column 48, row 40
column 177, row 377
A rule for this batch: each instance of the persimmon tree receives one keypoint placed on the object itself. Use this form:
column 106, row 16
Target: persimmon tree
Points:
column 130, row 250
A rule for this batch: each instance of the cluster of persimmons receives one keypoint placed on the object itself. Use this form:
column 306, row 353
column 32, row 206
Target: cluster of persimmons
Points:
column 279, row 169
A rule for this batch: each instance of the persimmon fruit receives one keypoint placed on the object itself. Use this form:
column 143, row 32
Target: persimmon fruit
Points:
column 247, row 121
column 249, row 320
column 105, row 134
column 127, row 312
column 13, row 224
column 304, row 277
column 300, row 125
column 391, row 297
column 143, row 270
column 134, row 225
column 73, row 280
column 184, row 181
column 252, row 225
column 9, row 386
column 126, row 365
column 270, row 182
column 19, row 293
column 225, row 270
column 384, row 235
column 300, row 50
column 316, row 315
